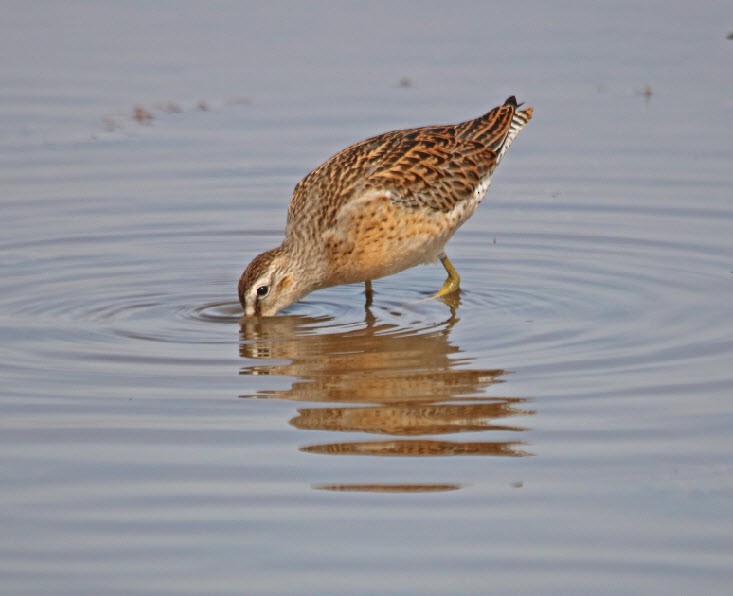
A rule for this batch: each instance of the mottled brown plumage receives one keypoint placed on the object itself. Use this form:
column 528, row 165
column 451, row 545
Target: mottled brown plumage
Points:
column 381, row 206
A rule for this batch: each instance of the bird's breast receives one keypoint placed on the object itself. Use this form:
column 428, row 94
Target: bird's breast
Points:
column 376, row 236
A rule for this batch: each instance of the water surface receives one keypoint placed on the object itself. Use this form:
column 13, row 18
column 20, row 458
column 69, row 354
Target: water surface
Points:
column 561, row 426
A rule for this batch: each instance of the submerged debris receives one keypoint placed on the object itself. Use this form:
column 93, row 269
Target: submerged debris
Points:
column 647, row 92
column 239, row 101
column 109, row 123
column 170, row 107
column 142, row 115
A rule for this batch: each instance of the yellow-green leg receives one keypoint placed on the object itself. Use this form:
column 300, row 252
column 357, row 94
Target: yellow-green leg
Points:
column 452, row 282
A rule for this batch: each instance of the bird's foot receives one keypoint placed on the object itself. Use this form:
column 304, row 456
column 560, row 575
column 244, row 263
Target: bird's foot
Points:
column 453, row 280
column 449, row 286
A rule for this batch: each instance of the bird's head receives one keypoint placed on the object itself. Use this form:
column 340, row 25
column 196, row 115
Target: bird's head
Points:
column 269, row 284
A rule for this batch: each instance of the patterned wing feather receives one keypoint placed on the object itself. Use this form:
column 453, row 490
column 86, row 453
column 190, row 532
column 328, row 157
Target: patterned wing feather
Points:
column 433, row 167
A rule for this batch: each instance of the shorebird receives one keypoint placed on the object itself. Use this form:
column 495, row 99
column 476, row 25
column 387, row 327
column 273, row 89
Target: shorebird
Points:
column 381, row 206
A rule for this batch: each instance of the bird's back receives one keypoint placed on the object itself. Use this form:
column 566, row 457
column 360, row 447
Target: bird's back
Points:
column 429, row 168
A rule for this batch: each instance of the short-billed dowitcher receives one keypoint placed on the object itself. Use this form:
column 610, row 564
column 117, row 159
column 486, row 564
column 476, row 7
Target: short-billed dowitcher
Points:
column 381, row 206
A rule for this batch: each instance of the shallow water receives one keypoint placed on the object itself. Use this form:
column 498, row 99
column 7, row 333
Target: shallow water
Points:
column 562, row 426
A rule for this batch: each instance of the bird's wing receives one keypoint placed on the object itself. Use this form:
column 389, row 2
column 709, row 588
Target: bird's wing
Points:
column 434, row 167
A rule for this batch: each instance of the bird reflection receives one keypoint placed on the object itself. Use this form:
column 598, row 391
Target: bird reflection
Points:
column 409, row 383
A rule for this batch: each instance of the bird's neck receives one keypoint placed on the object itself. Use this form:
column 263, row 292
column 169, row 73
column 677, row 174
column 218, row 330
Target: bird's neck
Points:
column 307, row 264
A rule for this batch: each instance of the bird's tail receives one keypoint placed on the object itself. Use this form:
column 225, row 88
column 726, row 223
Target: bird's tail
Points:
column 518, row 122
column 498, row 128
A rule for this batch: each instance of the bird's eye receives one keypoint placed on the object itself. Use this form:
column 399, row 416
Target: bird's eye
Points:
column 262, row 290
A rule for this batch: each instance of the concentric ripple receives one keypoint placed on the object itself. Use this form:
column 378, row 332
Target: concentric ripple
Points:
column 562, row 425
column 548, row 298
